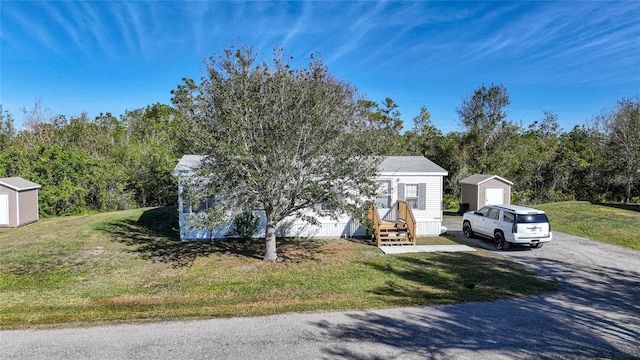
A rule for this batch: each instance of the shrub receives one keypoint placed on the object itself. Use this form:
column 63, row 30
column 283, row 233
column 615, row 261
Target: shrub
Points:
column 450, row 201
column 245, row 225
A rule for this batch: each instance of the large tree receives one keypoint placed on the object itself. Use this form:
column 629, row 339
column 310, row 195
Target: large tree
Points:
column 539, row 169
column 7, row 130
column 384, row 119
column 153, row 139
column 484, row 118
column 585, row 162
column 621, row 127
column 426, row 139
column 277, row 138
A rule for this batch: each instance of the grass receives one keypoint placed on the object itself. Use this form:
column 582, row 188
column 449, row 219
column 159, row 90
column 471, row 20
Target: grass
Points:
column 435, row 240
column 617, row 224
column 131, row 266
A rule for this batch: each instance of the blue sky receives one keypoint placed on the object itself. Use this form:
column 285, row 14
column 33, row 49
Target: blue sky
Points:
column 570, row 58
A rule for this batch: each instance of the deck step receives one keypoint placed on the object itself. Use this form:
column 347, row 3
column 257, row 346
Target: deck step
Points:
column 393, row 228
column 383, row 231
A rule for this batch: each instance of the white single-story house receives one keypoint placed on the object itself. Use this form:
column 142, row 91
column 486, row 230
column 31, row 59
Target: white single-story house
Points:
column 18, row 202
column 415, row 179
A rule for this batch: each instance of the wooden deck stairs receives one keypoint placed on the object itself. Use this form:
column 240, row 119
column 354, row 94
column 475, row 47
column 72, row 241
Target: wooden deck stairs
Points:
column 397, row 228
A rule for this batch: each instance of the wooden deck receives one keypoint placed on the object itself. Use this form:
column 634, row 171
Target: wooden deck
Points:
column 400, row 229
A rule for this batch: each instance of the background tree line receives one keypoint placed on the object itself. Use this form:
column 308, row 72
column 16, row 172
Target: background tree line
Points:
column 112, row 163
column 597, row 161
column 99, row 164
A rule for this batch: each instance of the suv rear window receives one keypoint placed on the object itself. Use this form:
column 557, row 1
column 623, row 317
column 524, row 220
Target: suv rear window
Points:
column 531, row 218
column 508, row 217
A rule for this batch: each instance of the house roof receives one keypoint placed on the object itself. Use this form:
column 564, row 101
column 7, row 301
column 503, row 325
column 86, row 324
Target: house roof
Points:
column 188, row 165
column 390, row 164
column 410, row 164
column 478, row 179
column 19, row 184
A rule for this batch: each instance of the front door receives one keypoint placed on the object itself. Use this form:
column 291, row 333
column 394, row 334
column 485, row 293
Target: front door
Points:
column 4, row 209
column 493, row 196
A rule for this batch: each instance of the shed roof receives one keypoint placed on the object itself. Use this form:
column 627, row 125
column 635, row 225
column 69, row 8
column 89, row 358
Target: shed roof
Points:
column 19, row 184
column 478, row 179
column 390, row 164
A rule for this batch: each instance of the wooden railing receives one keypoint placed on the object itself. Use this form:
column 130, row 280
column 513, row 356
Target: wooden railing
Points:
column 399, row 228
column 376, row 222
column 405, row 214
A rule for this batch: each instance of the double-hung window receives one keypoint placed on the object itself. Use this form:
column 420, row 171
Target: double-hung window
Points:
column 383, row 200
column 411, row 195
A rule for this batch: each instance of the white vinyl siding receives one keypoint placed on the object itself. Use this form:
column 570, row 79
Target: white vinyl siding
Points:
column 433, row 206
column 428, row 228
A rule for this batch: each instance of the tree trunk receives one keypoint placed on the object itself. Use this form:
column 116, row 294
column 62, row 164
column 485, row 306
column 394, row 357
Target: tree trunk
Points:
column 628, row 190
column 270, row 254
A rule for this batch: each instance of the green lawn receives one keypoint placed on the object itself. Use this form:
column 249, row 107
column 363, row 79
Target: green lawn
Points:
column 612, row 223
column 131, row 266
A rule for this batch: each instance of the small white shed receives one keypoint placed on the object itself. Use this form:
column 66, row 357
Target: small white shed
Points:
column 18, row 202
column 479, row 190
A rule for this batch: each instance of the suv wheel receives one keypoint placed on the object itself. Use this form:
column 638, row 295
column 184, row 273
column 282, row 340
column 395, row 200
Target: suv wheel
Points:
column 501, row 243
column 466, row 230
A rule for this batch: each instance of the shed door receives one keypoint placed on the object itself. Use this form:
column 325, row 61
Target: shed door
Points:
column 4, row 209
column 493, row 196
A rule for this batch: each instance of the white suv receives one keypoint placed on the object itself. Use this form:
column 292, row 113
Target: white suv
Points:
column 508, row 224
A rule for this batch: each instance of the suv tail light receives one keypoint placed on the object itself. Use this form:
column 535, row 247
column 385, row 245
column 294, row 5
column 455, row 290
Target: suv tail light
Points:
column 514, row 228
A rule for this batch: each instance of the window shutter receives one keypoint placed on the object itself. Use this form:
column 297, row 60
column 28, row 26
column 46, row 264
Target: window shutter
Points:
column 400, row 191
column 422, row 196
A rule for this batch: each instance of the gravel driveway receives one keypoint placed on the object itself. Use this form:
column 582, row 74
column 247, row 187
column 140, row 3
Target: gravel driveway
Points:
column 596, row 314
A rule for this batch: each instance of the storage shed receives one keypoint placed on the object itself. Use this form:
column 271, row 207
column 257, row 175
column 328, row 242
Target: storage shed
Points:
column 479, row 190
column 18, row 202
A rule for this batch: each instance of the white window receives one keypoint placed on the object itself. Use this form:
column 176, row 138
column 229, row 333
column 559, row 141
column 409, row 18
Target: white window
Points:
column 194, row 205
column 384, row 195
column 325, row 207
column 411, row 195
column 186, row 201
